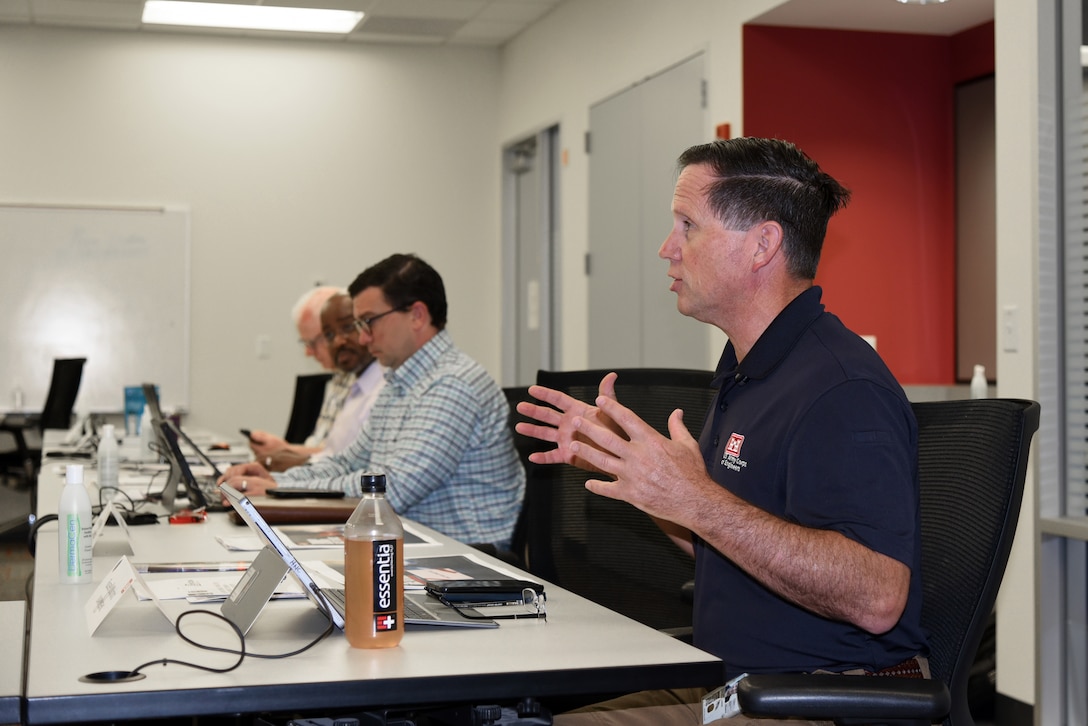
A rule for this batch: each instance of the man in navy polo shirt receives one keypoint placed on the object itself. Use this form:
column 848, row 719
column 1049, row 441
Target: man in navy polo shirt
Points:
column 799, row 501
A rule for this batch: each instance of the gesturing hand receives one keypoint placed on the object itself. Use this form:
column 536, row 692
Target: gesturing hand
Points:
column 663, row 476
column 556, row 421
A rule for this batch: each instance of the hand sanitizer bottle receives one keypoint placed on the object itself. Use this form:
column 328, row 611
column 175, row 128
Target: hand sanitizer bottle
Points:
column 74, row 517
column 978, row 382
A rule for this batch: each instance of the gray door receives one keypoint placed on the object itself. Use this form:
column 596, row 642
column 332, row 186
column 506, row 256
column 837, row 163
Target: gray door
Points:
column 634, row 140
column 529, row 224
column 976, row 229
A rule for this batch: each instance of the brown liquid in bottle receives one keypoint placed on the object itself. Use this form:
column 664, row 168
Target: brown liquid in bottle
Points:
column 361, row 626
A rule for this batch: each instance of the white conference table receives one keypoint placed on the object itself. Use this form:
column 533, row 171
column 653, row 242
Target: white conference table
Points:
column 582, row 648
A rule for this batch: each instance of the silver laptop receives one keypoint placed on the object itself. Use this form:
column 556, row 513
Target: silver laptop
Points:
column 207, row 484
column 200, row 494
column 258, row 583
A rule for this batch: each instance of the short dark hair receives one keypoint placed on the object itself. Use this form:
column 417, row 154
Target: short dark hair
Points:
column 770, row 179
column 403, row 280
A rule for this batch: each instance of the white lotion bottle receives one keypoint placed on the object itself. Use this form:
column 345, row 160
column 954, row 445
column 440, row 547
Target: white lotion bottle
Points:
column 74, row 519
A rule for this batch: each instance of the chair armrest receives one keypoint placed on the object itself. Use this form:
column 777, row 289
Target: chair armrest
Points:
column 846, row 699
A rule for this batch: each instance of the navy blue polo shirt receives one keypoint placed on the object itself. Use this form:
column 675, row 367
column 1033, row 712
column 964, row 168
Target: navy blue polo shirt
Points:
column 811, row 427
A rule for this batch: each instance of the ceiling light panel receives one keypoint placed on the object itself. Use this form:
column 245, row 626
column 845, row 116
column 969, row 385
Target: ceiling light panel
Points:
column 250, row 17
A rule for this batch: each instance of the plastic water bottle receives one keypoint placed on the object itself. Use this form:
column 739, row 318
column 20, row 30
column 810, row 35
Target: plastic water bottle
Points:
column 146, row 430
column 108, row 459
column 374, row 570
column 978, row 382
column 74, row 518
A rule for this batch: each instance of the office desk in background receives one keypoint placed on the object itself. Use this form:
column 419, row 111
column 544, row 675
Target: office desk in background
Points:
column 582, row 648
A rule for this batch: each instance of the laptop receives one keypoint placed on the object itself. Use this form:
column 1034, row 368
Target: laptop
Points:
column 180, row 473
column 206, row 484
column 204, row 457
column 154, row 408
column 258, row 583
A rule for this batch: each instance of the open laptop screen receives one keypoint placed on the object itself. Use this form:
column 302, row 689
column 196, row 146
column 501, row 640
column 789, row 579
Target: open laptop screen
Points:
column 243, row 610
column 151, row 396
column 179, row 471
column 208, row 461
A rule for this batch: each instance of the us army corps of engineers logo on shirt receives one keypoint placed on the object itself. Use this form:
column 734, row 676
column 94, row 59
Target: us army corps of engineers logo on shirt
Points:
column 731, row 456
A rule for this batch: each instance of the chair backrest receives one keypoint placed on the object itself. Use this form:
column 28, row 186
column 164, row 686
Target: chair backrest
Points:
column 524, row 445
column 972, row 463
column 601, row 548
column 63, row 389
column 306, row 408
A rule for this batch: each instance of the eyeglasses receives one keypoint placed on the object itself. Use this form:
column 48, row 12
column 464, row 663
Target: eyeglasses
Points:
column 365, row 325
column 345, row 329
column 312, row 343
column 531, row 605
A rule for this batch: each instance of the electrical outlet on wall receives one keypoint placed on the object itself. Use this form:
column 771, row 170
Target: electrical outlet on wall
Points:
column 264, row 347
column 1010, row 328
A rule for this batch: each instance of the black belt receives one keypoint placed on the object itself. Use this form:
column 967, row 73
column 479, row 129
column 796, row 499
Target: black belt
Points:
column 910, row 668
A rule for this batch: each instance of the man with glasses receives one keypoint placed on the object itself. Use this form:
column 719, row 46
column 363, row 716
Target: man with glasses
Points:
column 439, row 430
column 358, row 375
column 306, row 313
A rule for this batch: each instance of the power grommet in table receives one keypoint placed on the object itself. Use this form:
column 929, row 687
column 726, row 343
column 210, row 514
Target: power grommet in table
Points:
column 112, row 677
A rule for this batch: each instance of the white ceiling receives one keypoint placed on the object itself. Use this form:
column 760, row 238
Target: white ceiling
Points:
column 493, row 22
column 459, row 22
column 890, row 16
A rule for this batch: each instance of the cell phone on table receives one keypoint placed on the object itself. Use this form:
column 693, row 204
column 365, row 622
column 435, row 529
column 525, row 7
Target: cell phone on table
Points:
column 483, row 591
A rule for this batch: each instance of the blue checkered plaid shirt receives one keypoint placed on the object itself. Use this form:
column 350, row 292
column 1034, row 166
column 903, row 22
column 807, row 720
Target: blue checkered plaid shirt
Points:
column 440, row 433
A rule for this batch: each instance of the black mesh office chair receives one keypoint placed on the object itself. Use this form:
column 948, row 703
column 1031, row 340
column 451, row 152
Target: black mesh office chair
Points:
column 601, row 548
column 63, row 390
column 524, row 445
column 26, row 431
column 306, row 408
column 972, row 462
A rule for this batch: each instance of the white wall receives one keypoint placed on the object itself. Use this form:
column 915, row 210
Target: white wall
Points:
column 299, row 160
column 585, row 51
column 1016, row 108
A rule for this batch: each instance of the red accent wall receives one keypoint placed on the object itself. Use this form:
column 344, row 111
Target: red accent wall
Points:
column 875, row 110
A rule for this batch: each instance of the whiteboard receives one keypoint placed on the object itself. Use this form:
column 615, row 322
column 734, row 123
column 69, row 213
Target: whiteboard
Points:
column 109, row 284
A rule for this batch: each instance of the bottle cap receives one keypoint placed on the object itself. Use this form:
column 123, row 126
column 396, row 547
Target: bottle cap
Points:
column 73, row 474
column 980, row 370
column 107, row 431
column 373, row 483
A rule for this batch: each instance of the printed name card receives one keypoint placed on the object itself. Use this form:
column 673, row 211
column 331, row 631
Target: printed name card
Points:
column 122, row 578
